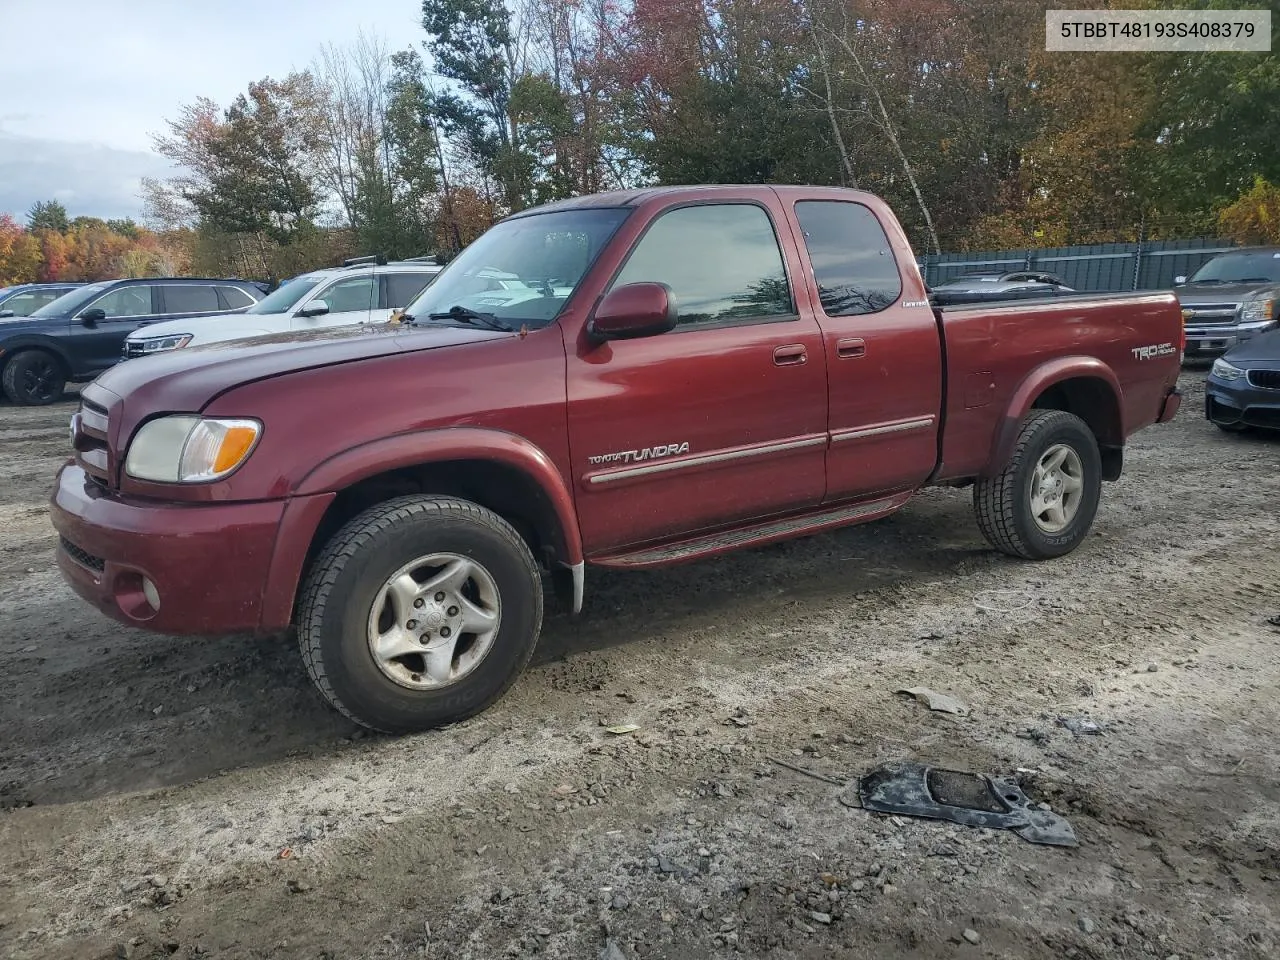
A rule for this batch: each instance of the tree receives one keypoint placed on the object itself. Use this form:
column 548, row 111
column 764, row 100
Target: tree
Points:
column 255, row 168
column 1254, row 217
column 1214, row 125
column 125, row 227
column 20, row 256
column 474, row 43
column 47, row 215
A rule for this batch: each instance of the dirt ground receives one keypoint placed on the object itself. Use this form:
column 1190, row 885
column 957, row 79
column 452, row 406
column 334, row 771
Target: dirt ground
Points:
column 167, row 797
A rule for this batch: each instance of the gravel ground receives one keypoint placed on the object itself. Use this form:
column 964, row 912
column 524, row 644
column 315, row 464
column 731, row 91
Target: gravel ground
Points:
column 167, row 797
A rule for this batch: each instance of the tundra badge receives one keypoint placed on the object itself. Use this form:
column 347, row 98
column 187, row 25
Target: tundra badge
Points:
column 648, row 453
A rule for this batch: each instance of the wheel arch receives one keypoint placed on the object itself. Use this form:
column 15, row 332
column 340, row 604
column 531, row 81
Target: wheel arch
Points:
column 22, row 343
column 500, row 471
column 1083, row 386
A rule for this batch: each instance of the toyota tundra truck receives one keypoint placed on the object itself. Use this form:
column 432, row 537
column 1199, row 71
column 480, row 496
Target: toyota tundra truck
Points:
column 626, row 380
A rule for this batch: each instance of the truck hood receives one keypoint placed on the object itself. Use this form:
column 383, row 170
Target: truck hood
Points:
column 186, row 380
column 1194, row 294
column 1260, row 349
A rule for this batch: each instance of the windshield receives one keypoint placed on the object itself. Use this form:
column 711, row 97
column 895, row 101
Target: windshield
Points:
column 67, row 304
column 284, row 298
column 1258, row 267
column 522, row 271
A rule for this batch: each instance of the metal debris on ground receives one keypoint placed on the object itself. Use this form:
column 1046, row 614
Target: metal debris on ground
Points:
column 970, row 799
column 936, row 701
column 622, row 728
column 1080, row 725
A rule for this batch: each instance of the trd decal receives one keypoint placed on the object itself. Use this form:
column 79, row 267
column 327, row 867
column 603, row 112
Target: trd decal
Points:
column 1154, row 350
column 636, row 456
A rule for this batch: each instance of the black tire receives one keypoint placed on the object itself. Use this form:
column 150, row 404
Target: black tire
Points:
column 34, row 378
column 1003, row 503
column 343, row 583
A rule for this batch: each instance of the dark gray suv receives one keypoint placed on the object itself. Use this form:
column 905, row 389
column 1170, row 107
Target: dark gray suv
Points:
column 79, row 335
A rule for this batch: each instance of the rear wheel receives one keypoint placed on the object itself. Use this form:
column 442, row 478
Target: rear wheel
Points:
column 33, row 378
column 1043, row 503
column 420, row 611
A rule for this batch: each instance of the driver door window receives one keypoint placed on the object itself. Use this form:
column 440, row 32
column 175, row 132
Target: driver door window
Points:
column 721, row 262
column 124, row 302
column 349, row 300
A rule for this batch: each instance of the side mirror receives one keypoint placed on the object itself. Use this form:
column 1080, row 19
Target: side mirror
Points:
column 92, row 316
column 5, row 313
column 314, row 308
column 1179, row 280
column 635, row 310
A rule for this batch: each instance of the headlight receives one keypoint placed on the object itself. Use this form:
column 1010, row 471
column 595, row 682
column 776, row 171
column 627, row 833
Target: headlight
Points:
column 175, row 341
column 188, row 449
column 1256, row 311
column 1225, row 371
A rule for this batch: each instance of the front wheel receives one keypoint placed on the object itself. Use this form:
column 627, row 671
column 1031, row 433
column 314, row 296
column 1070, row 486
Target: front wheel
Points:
column 33, row 378
column 1043, row 503
column 420, row 611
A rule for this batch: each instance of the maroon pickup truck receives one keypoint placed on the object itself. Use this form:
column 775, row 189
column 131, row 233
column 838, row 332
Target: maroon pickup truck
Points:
column 625, row 380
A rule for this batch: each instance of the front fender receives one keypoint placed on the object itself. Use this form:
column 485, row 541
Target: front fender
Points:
column 25, row 341
column 452, row 443
column 1037, row 382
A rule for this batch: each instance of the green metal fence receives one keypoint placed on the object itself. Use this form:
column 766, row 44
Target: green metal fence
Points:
column 1151, row 265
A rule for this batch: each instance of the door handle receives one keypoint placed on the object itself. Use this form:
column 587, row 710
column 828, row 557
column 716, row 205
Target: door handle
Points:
column 789, row 355
column 851, row 348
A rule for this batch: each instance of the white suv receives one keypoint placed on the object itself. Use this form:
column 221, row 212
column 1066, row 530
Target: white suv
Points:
column 359, row 292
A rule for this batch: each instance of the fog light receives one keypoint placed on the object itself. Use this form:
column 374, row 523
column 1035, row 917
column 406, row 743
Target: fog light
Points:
column 151, row 593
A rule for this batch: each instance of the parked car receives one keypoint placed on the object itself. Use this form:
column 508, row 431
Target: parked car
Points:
column 361, row 292
column 992, row 286
column 679, row 372
column 1243, row 386
column 24, row 299
column 1231, row 298
column 79, row 335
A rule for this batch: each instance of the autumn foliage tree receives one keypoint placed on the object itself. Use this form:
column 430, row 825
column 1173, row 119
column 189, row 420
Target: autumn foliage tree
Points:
column 950, row 109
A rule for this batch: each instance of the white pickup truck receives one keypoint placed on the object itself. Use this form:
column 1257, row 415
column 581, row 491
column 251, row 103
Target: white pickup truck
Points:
column 359, row 293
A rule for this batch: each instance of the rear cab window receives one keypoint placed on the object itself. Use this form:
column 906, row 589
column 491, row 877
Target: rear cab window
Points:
column 853, row 262
column 722, row 262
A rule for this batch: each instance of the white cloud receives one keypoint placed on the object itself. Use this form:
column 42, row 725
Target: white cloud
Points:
column 81, row 119
column 88, row 179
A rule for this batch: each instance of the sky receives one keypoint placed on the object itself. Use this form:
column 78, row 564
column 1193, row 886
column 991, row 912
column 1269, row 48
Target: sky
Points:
column 77, row 113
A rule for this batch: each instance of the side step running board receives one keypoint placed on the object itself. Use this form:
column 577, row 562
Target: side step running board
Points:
column 709, row 544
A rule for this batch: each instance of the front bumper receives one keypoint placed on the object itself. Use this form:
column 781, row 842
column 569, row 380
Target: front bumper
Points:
column 1239, row 403
column 209, row 563
column 1214, row 339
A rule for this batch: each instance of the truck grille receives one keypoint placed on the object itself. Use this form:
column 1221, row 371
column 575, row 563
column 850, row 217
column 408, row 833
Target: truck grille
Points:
column 82, row 557
column 1211, row 314
column 1267, row 379
column 90, row 441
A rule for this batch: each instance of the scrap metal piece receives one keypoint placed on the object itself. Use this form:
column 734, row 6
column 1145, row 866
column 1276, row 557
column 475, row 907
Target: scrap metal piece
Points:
column 970, row 799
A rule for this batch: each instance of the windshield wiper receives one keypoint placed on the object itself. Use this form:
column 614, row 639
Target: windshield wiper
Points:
column 467, row 315
column 1254, row 280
